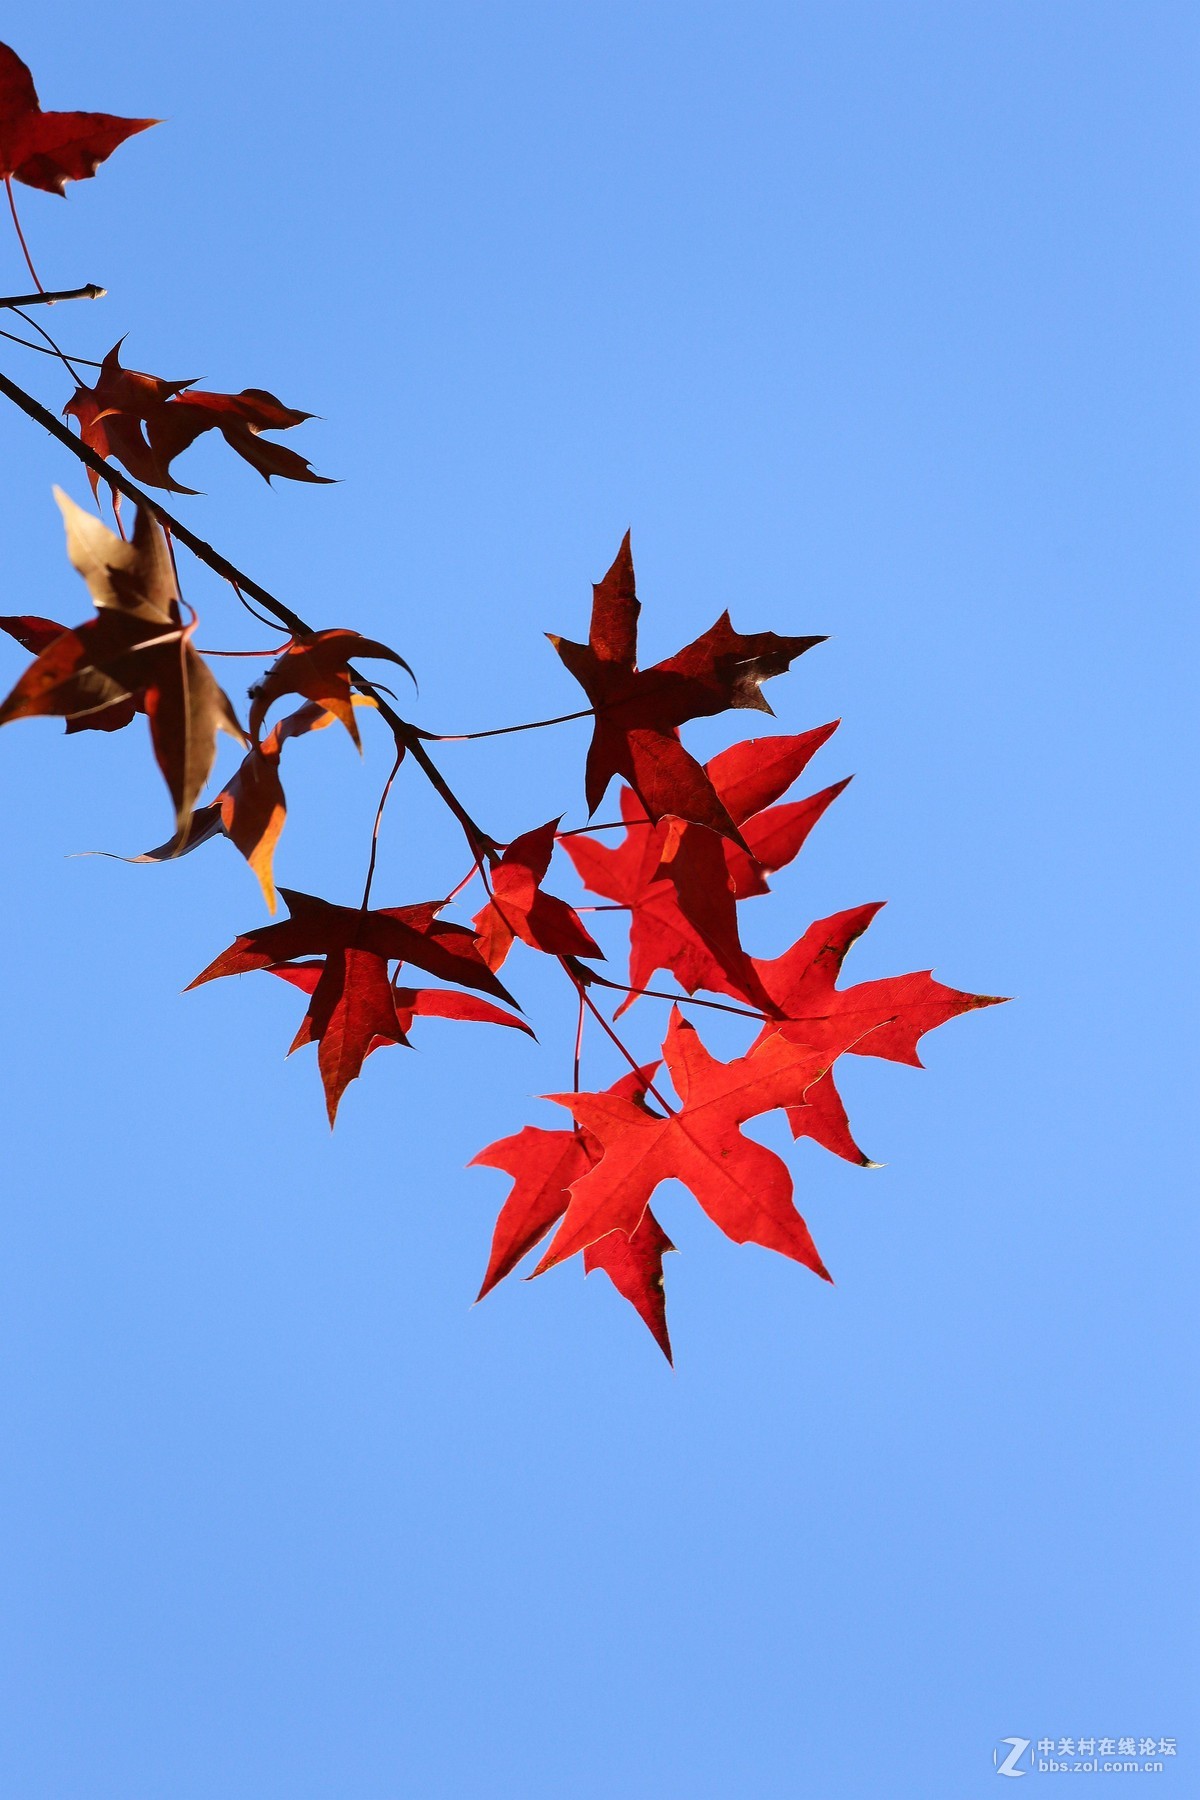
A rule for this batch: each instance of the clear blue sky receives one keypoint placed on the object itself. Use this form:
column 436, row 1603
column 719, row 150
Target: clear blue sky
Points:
column 870, row 319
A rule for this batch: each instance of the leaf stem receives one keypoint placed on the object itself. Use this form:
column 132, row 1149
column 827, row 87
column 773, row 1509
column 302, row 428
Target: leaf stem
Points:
column 587, row 1000
column 12, row 207
column 53, row 347
column 578, row 1041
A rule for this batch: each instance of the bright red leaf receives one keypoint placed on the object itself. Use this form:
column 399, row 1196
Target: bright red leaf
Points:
column 802, row 984
column 743, row 1187
column 543, row 1165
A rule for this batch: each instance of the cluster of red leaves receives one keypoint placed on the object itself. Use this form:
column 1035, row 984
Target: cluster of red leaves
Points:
column 681, row 871
column 699, row 840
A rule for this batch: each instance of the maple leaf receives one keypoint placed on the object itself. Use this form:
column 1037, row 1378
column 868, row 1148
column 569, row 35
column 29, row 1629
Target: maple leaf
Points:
column 317, row 666
column 743, row 1187
column 36, row 634
column 802, row 985
column 519, row 908
column 251, row 810
column 544, row 1164
column 352, row 1001
column 135, row 648
column 145, row 422
column 682, row 882
column 639, row 711
column 47, row 149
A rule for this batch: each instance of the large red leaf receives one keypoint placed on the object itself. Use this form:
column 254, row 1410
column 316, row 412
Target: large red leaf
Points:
column 745, row 1188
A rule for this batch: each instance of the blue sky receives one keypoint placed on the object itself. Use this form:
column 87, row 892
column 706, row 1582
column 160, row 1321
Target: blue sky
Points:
column 869, row 319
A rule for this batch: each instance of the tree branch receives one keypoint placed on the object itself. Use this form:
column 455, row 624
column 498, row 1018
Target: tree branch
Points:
column 481, row 844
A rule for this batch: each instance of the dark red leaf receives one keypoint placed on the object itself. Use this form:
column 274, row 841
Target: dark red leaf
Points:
column 639, row 712
column 48, row 149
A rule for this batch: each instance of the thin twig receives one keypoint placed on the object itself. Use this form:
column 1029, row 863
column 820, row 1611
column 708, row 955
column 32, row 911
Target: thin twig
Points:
column 468, row 737
column 578, row 1041
column 383, row 800
column 627, row 1054
column 89, row 362
column 90, row 292
column 676, row 999
column 256, row 653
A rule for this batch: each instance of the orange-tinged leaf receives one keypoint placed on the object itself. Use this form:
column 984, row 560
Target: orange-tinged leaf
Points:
column 317, row 666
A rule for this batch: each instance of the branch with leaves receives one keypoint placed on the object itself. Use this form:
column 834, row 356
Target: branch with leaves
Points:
column 698, row 840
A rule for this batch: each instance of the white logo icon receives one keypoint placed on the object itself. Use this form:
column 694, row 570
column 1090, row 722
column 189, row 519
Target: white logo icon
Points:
column 1018, row 1747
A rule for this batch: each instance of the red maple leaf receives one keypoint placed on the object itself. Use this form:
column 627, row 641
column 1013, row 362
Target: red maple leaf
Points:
column 802, row 984
column 543, row 1165
column 519, row 908
column 639, row 711
column 145, row 422
column 135, row 649
column 352, row 1003
column 743, row 1187
column 48, row 149
column 682, row 882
